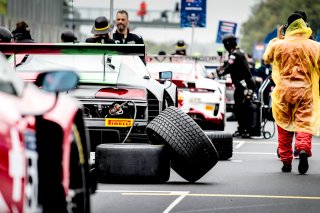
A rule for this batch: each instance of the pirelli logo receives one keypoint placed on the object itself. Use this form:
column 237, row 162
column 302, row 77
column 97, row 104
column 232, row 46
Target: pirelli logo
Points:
column 118, row 122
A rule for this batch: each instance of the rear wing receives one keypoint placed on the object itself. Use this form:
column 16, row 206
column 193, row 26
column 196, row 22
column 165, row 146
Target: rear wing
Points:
column 72, row 48
column 183, row 59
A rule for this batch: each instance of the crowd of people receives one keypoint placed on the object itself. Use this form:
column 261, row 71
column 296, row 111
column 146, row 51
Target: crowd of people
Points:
column 102, row 32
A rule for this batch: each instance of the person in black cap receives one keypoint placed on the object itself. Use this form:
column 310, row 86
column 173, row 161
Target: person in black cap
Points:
column 68, row 36
column 295, row 98
column 181, row 48
column 21, row 34
column 5, row 35
column 101, row 30
column 237, row 66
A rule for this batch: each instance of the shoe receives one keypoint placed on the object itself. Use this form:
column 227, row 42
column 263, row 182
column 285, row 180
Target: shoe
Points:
column 236, row 134
column 296, row 154
column 303, row 163
column 286, row 167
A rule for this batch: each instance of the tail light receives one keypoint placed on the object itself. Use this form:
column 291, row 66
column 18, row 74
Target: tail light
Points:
column 117, row 93
column 180, row 99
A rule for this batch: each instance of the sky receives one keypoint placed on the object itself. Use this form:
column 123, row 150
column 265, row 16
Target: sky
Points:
column 237, row 11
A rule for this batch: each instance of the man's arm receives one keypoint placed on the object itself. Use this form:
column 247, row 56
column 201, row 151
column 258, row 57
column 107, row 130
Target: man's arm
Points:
column 268, row 55
column 226, row 68
column 139, row 40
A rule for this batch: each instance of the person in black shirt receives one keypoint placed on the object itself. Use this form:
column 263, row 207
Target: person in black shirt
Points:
column 100, row 31
column 5, row 35
column 68, row 36
column 122, row 34
column 237, row 66
column 21, row 34
column 181, row 48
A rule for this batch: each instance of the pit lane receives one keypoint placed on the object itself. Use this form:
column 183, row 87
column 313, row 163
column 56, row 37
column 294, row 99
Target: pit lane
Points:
column 251, row 181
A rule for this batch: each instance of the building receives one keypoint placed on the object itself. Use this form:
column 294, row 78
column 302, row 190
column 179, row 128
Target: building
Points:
column 44, row 17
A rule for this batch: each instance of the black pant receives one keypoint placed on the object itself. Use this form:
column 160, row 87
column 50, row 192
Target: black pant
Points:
column 242, row 111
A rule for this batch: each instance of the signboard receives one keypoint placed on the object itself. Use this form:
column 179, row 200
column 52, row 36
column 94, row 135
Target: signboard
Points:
column 224, row 28
column 318, row 35
column 258, row 51
column 271, row 35
column 193, row 13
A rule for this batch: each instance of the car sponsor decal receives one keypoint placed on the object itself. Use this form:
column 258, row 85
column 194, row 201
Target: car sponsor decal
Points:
column 118, row 122
column 16, row 165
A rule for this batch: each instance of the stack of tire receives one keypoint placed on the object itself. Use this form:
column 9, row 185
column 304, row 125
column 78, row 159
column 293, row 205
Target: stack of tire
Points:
column 176, row 141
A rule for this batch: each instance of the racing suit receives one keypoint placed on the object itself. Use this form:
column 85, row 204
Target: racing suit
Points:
column 295, row 62
column 237, row 66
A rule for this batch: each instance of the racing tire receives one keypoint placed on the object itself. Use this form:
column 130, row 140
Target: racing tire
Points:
column 52, row 196
column 132, row 163
column 191, row 152
column 223, row 142
column 78, row 198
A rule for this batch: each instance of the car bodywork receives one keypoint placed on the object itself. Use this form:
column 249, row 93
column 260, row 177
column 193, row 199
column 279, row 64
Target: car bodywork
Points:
column 211, row 71
column 200, row 97
column 36, row 169
column 109, row 75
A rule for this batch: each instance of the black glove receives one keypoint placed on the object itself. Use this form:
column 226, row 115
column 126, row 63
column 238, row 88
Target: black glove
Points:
column 220, row 71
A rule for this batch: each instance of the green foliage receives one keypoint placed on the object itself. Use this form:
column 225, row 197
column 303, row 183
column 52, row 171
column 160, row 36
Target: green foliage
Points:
column 154, row 48
column 268, row 14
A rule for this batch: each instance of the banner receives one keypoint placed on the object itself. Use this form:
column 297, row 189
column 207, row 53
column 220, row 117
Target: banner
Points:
column 271, row 35
column 258, row 50
column 224, row 28
column 193, row 13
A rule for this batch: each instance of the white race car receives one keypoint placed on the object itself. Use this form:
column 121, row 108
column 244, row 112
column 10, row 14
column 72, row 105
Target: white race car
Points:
column 118, row 94
column 202, row 98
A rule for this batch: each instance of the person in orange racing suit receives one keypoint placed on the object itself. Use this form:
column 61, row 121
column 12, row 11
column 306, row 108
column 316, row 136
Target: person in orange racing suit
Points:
column 295, row 63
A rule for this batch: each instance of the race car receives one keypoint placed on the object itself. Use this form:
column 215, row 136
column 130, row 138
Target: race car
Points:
column 117, row 92
column 202, row 98
column 44, row 153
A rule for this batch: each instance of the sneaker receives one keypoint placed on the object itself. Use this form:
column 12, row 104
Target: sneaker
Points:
column 286, row 167
column 303, row 163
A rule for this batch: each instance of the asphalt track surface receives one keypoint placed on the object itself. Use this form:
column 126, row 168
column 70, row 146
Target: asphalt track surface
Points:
column 249, row 182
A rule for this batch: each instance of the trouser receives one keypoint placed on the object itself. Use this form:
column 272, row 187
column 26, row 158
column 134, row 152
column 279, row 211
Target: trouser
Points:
column 241, row 112
column 303, row 142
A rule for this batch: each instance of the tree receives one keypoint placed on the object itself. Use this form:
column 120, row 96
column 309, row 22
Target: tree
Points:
column 268, row 14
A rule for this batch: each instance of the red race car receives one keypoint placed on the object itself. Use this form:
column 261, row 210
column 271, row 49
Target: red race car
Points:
column 44, row 150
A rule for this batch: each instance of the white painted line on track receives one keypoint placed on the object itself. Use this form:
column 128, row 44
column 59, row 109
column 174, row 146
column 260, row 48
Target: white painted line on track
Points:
column 138, row 191
column 181, row 194
column 255, row 153
column 175, row 202
column 269, row 142
column 302, row 197
column 237, row 161
column 256, row 142
column 240, row 144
